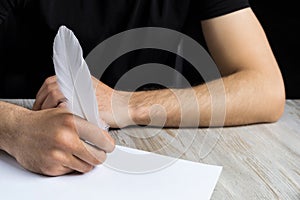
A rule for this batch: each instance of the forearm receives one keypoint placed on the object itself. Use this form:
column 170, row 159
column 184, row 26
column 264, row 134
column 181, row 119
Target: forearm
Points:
column 10, row 126
column 247, row 100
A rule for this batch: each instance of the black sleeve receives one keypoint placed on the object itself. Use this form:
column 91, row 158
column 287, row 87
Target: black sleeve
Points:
column 8, row 10
column 9, row 6
column 207, row 9
column 5, row 7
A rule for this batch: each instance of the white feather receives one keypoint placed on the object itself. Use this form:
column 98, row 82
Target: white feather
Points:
column 74, row 78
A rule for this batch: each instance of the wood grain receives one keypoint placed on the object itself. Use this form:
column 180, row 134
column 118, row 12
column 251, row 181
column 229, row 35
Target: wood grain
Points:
column 259, row 161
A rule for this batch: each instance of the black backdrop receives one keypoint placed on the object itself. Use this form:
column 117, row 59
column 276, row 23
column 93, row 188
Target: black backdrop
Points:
column 281, row 21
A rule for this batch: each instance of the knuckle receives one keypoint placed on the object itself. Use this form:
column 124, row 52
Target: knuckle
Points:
column 54, row 94
column 50, row 80
column 64, row 139
column 48, row 88
column 69, row 121
column 67, row 135
column 56, row 157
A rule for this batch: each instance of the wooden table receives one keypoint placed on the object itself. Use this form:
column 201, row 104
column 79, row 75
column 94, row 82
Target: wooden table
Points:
column 259, row 161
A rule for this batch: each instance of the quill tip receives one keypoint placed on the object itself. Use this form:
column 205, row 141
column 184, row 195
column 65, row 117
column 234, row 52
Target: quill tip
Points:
column 64, row 30
column 63, row 27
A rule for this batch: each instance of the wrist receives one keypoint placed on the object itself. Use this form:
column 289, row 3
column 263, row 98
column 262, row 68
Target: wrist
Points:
column 12, row 124
column 132, row 111
column 155, row 108
column 140, row 105
column 138, row 114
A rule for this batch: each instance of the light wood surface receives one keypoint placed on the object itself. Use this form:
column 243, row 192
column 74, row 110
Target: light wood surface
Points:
column 259, row 161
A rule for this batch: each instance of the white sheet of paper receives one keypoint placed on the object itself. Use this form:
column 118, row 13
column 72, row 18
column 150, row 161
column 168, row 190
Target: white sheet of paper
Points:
column 180, row 180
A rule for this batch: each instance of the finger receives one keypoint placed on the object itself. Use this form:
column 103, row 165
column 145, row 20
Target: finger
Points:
column 78, row 165
column 57, row 171
column 88, row 154
column 54, row 98
column 99, row 154
column 62, row 171
column 93, row 134
column 48, row 85
column 41, row 95
column 48, row 81
column 63, row 103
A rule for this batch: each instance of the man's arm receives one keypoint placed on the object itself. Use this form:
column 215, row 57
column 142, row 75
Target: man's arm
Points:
column 251, row 79
column 47, row 142
column 254, row 86
column 253, row 83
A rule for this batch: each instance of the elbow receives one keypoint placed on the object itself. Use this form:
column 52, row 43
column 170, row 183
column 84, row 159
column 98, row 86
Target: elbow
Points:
column 277, row 110
column 275, row 103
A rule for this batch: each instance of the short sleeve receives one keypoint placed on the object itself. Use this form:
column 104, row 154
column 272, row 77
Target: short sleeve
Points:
column 207, row 9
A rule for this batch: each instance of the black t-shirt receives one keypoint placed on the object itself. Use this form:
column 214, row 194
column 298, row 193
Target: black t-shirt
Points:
column 28, row 28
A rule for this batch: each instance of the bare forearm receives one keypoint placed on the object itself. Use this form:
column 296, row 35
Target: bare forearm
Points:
column 11, row 118
column 234, row 100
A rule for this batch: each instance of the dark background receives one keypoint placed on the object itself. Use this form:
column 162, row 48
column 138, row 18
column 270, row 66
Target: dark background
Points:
column 281, row 22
